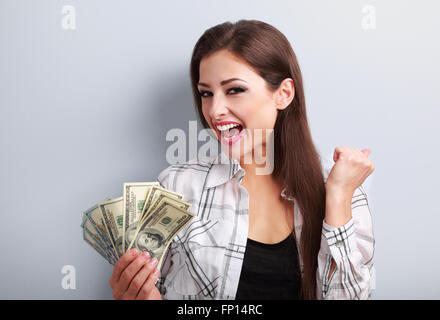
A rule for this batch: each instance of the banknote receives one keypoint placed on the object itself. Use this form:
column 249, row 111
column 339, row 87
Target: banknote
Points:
column 113, row 216
column 146, row 217
column 95, row 217
column 134, row 198
column 132, row 232
column 152, row 197
column 93, row 221
column 99, row 238
column 92, row 241
column 160, row 227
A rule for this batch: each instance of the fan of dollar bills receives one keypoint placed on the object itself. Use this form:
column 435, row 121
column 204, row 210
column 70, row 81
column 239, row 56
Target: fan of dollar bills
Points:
column 146, row 217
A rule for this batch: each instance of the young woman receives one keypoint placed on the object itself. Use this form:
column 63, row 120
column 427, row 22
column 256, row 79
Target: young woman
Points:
column 299, row 232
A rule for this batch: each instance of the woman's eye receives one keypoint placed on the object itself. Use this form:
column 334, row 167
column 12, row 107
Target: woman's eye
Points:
column 237, row 89
column 234, row 90
column 202, row 93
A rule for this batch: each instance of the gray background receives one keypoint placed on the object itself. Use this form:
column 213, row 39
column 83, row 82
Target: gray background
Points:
column 82, row 111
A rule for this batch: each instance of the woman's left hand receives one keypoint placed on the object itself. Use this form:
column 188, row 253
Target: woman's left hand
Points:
column 352, row 167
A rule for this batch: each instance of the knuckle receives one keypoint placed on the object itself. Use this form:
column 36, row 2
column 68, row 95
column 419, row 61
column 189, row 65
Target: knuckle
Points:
column 125, row 277
column 122, row 262
column 146, row 288
column 137, row 282
column 118, row 268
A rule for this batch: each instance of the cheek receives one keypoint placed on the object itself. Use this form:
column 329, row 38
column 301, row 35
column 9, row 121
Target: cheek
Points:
column 205, row 114
column 267, row 116
column 255, row 112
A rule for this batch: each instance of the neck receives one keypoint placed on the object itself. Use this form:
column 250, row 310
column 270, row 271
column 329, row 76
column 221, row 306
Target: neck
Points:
column 258, row 174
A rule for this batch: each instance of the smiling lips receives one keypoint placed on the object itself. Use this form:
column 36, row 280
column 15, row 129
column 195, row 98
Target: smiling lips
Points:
column 228, row 132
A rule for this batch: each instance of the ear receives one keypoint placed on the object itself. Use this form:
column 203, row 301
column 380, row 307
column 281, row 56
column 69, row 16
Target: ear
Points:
column 283, row 96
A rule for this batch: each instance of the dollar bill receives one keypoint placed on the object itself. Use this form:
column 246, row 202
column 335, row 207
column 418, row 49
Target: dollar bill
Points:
column 111, row 211
column 94, row 215
column 157, row 231
column 94, row 222
column 146, row 217
column 134, row 199
column 154, row 194
column 132, row 232
column 101, row 240
column 91, row 240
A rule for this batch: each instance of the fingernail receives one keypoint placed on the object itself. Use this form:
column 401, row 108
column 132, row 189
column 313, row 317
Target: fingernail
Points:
column 134, row 252
column 146, row 255
column 153, row 261
column 156, row 272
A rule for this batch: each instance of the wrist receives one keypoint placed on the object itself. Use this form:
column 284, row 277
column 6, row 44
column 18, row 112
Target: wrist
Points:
column 337, row 207
column 338, row 193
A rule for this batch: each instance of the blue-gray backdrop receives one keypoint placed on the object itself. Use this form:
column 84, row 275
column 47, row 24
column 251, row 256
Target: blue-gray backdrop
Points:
column 85, row 104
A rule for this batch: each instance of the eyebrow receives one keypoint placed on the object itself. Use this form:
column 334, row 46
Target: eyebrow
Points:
column 222, row 83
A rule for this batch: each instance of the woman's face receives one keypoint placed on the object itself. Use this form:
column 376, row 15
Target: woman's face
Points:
column 245, row 100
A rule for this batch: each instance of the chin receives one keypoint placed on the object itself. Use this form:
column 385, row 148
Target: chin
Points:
column 243, row 155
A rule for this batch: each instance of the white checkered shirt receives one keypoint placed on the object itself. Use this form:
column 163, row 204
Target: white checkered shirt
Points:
column 204, row 260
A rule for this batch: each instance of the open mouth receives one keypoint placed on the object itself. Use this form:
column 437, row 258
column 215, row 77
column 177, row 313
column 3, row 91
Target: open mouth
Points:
column 231, row 132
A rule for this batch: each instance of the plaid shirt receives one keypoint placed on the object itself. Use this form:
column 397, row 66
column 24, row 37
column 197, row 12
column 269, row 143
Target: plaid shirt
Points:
column 205, row 258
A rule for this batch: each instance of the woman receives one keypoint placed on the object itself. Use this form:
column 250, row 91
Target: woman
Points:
column 299, row 232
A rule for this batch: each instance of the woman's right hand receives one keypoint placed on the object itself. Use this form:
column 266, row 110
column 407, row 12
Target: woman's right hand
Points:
column 134, row 277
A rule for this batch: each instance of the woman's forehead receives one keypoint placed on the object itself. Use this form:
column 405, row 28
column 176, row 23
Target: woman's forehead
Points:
column 224, row 65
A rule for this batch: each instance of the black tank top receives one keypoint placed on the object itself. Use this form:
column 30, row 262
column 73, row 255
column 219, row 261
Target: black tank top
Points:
column 270, row 271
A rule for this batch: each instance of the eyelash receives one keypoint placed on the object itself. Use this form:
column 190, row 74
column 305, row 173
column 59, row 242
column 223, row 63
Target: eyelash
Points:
column 237, row 89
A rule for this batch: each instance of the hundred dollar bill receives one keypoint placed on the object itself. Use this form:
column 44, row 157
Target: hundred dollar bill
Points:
column 88, row 237
column 152, row 197
column 95, row 216
column 160, row 227
column 101, row 241
column 132, row 231
column 87, row 226
column 170, row 198
column 134, row 196
column 112, row 213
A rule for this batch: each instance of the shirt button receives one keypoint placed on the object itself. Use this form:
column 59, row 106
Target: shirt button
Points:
column 339, row 243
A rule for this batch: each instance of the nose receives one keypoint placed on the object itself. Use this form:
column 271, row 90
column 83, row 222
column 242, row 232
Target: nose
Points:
column 218, row 108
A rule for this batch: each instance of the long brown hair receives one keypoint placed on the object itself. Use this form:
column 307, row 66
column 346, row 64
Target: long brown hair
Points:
column 296, row 160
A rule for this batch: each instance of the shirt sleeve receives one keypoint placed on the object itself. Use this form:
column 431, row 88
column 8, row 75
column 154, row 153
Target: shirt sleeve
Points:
column 352, row 248
column 164, row 178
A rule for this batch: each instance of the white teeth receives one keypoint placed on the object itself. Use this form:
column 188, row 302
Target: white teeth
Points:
column 228, row 126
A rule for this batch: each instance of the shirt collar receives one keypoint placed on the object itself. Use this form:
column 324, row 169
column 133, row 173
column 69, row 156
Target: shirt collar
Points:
column 224, row 169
